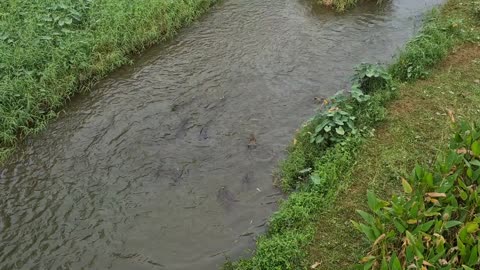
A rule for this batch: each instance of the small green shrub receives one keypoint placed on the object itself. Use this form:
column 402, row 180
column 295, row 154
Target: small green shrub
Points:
column 434, row 224
column 370, row 77
column 336, row 124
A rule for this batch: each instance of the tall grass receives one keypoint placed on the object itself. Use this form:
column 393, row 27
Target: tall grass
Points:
column 51, row 49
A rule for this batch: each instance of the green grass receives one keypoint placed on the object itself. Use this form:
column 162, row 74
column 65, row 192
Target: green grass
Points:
column 347, row 169
column 51, row 49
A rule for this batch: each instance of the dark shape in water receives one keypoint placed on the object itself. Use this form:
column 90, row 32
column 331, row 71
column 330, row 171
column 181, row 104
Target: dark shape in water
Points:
column 225, row 196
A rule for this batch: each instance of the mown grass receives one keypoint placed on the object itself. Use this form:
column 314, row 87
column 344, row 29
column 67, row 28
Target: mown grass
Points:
column 351, row 167
column 51, row 49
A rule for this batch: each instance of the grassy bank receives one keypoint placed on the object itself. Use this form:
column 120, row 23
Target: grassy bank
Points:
column 50, row 50
column 330, row 179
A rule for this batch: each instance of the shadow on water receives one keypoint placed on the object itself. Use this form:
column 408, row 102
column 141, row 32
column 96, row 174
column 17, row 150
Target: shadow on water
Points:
column 167, row 164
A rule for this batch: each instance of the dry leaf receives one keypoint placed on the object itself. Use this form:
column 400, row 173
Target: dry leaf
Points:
column 450, row 114
column 427, row 263
column 434, row 201
column 367, row 259
column 436, row 195
column 464, row 151
column 315, row 265
column 380, row 238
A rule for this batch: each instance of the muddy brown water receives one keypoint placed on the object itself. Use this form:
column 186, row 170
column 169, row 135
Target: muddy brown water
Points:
column 151, row 170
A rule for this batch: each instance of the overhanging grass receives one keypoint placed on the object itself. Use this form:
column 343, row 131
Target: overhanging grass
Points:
column 51, row 49
column 336, row 245
column 342, row 5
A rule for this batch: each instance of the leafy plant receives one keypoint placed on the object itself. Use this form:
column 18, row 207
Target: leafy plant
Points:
column 334, row 126
column 370, row 77
column 435, row 222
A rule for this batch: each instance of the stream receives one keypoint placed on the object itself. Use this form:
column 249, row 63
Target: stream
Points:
column 168, row 163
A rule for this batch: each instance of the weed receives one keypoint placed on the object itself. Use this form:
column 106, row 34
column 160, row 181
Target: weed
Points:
column 434, row 222
column 369, row 78
column 334, row 126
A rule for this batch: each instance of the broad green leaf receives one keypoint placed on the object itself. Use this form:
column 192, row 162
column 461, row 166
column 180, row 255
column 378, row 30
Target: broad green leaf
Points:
column 463, row 195
column 452, row 223
column 321, row 126
column 384, row 265
column 372, row 200
column 426, row 226
column 475, row 162
column 316, row 180
column 476, row 148
column 429, row 179
column 367, row 217
column 472, row 227
column 473, row 260
column 406, row 186
column 470, row 173
column 368, row 265
column 395, row 263
column 367, row 231
column 340, row 131
column 419, row 171
column 431, row 213
column 319, row 139
column 400, row 227
column 462, row 235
